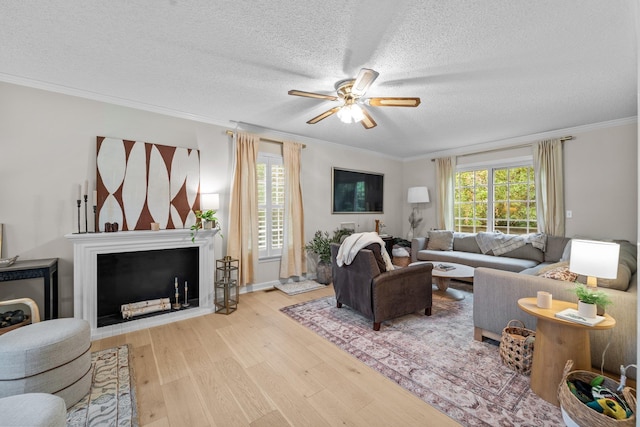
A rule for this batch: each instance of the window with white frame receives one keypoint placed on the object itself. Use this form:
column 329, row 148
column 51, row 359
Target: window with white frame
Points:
column 270, row 176
column 500, row 198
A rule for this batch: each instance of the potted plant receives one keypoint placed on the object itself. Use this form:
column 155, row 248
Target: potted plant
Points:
column 591, row 301
column 206, row 220
column 321, row 246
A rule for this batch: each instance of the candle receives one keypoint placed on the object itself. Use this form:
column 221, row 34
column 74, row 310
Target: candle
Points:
column 86, row 187
column 185, row 286
column 95, row 198
column 79, row 192
column 544, row 299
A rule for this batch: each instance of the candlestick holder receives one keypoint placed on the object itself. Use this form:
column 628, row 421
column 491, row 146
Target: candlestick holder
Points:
column 86, row 221
column 95, row 219
column 186, row 299
column 176, row 305
column 79, row 203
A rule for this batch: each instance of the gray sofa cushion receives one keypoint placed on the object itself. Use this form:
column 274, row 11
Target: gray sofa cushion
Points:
column 465, row 242
column 477, row 260
column 526, row 252
column 440, row 241
column 555, row 250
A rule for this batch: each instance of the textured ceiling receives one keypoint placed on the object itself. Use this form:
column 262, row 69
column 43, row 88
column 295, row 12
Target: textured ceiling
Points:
column 485, row 70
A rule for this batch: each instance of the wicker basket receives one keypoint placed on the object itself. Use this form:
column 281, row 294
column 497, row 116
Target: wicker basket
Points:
column 516, row 347
column 580, row 413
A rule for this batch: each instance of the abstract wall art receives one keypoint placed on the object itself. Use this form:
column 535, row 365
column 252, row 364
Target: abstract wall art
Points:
column 139, row 183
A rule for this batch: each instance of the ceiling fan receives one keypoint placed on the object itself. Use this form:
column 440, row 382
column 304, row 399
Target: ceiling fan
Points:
column 351, row 91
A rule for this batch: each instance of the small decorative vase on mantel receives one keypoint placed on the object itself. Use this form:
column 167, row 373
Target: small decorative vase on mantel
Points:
column 587, row 310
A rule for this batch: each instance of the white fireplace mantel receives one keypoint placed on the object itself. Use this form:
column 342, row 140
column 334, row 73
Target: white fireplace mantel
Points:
column 87, row 247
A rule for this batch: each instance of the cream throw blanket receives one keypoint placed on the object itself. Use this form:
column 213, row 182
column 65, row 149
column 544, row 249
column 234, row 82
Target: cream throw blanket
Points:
column 353, row 243
column 501, row 243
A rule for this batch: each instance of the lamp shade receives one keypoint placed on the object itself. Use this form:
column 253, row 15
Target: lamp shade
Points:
column 595, row 259
column 210, row 201
column 418, row 195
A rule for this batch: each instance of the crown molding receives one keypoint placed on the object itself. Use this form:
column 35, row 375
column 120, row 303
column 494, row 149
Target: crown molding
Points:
column 95, row 96
column 520, row 140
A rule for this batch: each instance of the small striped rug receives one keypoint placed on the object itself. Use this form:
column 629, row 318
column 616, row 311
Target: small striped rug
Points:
column 111, row 400
column 294, row 288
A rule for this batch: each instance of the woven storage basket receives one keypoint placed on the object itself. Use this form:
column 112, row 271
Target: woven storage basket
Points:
column 580, row 413
column 516, row 347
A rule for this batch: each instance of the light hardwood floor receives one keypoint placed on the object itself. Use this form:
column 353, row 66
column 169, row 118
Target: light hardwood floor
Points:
column 257, row 367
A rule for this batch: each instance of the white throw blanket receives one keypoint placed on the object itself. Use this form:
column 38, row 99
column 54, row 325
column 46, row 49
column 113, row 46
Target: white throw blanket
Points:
column 353, row 243
column 501, row 243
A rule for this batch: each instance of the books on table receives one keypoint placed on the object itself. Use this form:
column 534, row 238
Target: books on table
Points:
column 572, row 315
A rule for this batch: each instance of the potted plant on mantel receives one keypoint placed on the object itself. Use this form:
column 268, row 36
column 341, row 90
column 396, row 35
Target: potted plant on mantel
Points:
column 591, row 301
column 206, row 220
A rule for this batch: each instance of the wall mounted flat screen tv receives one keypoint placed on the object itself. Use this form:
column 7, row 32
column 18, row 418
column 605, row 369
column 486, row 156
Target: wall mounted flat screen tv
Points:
column 356, row 191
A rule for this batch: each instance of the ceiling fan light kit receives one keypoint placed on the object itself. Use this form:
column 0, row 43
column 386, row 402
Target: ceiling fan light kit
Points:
column 350, row 92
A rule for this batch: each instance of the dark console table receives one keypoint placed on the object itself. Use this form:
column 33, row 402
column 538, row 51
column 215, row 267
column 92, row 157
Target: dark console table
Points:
column 32, row 269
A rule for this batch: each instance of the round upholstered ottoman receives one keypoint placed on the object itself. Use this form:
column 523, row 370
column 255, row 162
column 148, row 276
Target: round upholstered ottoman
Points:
column 47, row 357
column 33, row 409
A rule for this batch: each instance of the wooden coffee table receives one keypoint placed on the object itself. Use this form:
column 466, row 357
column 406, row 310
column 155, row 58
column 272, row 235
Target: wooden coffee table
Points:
column 443, row 278
column 557, row 341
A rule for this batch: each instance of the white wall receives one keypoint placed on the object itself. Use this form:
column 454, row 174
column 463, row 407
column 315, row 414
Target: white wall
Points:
column 48, row 147
column 601, row 187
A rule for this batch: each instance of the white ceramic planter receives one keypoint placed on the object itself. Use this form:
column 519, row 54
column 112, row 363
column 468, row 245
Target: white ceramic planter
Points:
column 587, row 310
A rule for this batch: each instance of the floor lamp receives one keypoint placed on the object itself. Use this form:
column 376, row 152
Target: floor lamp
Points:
column 416, row 195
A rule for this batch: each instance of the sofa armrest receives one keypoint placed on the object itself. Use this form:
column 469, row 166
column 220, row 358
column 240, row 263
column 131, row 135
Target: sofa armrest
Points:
column 417, row 244
column 495, row 302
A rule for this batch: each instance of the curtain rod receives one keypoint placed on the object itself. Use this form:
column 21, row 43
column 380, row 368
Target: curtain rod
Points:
column 230, row 133
column 563, row 139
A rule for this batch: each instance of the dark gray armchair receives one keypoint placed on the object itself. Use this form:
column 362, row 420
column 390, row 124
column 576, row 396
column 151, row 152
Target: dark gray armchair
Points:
column 381, row 296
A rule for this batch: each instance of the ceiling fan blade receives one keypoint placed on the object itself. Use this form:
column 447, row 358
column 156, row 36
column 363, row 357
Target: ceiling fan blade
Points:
column 394, row 102
column 312, row 95
column 324, row 115
column 367, row 121
column 365, row 78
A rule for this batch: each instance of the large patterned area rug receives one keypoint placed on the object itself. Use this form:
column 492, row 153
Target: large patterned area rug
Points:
column 111, row 400
column 437, row 359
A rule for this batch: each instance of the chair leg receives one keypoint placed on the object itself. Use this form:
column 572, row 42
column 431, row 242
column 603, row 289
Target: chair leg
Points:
column 339, row 304
column 376, row 326
column 427, row 311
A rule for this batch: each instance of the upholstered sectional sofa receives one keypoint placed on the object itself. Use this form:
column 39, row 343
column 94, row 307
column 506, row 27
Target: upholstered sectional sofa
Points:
column 499, row 281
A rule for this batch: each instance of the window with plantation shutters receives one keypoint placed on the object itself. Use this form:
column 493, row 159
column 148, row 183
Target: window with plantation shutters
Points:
column 270, row 176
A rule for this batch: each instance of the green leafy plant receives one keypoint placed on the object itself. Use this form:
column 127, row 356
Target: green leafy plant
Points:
column 202, row 217
column 321, row 243
column 592, row 295
column 321, row 246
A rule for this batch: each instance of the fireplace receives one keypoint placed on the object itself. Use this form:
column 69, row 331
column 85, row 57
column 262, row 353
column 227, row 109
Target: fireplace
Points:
column 111, row 269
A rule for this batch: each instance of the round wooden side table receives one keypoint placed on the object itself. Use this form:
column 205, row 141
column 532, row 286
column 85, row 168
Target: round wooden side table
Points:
column 557, row 341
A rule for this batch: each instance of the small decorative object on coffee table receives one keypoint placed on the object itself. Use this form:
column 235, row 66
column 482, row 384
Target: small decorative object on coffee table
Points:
column 443, row 273
column 557, row 341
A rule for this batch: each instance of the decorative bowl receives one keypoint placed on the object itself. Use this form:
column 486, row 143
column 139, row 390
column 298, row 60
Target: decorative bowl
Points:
column 6, row 262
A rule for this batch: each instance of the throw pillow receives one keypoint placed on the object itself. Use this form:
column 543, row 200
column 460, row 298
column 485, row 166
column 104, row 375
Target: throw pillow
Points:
column 558, row 271
column 440, row 241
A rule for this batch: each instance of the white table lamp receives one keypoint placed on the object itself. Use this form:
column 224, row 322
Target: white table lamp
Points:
column 210, row 201
column 594, row 259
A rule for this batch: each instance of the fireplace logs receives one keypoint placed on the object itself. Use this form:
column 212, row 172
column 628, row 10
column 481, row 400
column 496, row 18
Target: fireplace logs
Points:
column 143, row 307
